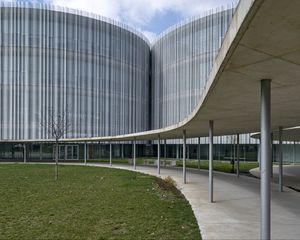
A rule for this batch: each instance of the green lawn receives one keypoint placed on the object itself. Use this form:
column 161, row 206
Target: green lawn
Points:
column 139, row 161
column 90, row 203
column 219, row 165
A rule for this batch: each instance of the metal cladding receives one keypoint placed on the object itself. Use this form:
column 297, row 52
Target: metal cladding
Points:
column 95, row 70
column 103, row 74
column 182, row 59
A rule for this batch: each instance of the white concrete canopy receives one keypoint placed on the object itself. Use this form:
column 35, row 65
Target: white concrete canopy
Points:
column 289, row 134
column 262, row 42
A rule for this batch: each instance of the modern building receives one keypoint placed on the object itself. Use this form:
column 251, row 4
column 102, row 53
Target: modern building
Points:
column 232, row 71
column 107, row 78
column 53, row 58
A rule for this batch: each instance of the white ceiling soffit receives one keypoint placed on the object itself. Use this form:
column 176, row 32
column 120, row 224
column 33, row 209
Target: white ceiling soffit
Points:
column 288, row 134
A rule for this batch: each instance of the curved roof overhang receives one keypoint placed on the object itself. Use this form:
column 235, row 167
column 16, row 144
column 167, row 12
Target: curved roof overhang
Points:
column 288, row 134
column 262, row 42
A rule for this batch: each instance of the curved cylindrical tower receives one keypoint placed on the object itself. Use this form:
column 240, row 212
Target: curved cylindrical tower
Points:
column 182, row 59
column 94, row 69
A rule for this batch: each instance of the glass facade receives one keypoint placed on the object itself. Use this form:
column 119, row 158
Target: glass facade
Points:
column 182, row 59
column 102, row 73
column 108, row 79
column 95, row 70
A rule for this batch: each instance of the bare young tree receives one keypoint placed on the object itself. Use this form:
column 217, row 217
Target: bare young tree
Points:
column 57, row 126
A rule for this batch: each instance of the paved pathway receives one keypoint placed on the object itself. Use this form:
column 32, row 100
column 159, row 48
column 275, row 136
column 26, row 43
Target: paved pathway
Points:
column 291, row 175
column 235, row 214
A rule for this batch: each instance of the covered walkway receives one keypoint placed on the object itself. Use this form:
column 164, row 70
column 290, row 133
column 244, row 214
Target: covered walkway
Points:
column 291, row 175
column 259, row 57
column 235, row 213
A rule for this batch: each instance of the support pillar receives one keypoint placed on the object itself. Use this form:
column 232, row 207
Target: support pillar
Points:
column 234, row 154
column 85, row 153
column 245, row 152
column 259, row 156
column 165, row 149
column 158, row 155
column 177, row 151
column 265, row 228
column 238, row 155
column 24, row 153
column 110, row 154
column 41, row 151
column 199, row 152
column 134, row 155
column 184, row 156
column 219, row 152
column 211, row 142
column 280, row 170
column 180, row 152
column 294, row 153
column 272, row 156
column 99, row 150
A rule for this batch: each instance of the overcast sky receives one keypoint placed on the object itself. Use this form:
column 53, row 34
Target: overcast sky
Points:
column 149, row 16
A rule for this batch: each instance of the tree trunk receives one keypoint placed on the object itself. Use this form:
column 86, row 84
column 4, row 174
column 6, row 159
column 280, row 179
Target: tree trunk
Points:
column 56, row 160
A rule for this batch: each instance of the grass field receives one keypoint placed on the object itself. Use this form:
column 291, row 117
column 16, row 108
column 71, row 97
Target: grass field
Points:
column 221, row 166
column 90, row 203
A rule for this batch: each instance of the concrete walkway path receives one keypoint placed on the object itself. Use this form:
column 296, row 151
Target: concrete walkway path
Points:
column 235, row 214
column 291, row 175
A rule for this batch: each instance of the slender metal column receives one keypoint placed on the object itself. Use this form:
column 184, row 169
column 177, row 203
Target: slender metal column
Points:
column 234, row 153
column 24, row 153
column 100, row 149
column 211, row 142
column 294, row 153
column 177, row 151
column 134, row 154
column 244, row 152
column 272, row 156
column 158, row 155
column 184, row 156
column 85, row 153
column 199, row 152
column 165, row 149
column 280, row 170
column 180, row 152
column 41, row 152
column 259, row 155
column 66, row 152
column 219, row 152
column 238, row 155
column 110, row 154
column 265, row 159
